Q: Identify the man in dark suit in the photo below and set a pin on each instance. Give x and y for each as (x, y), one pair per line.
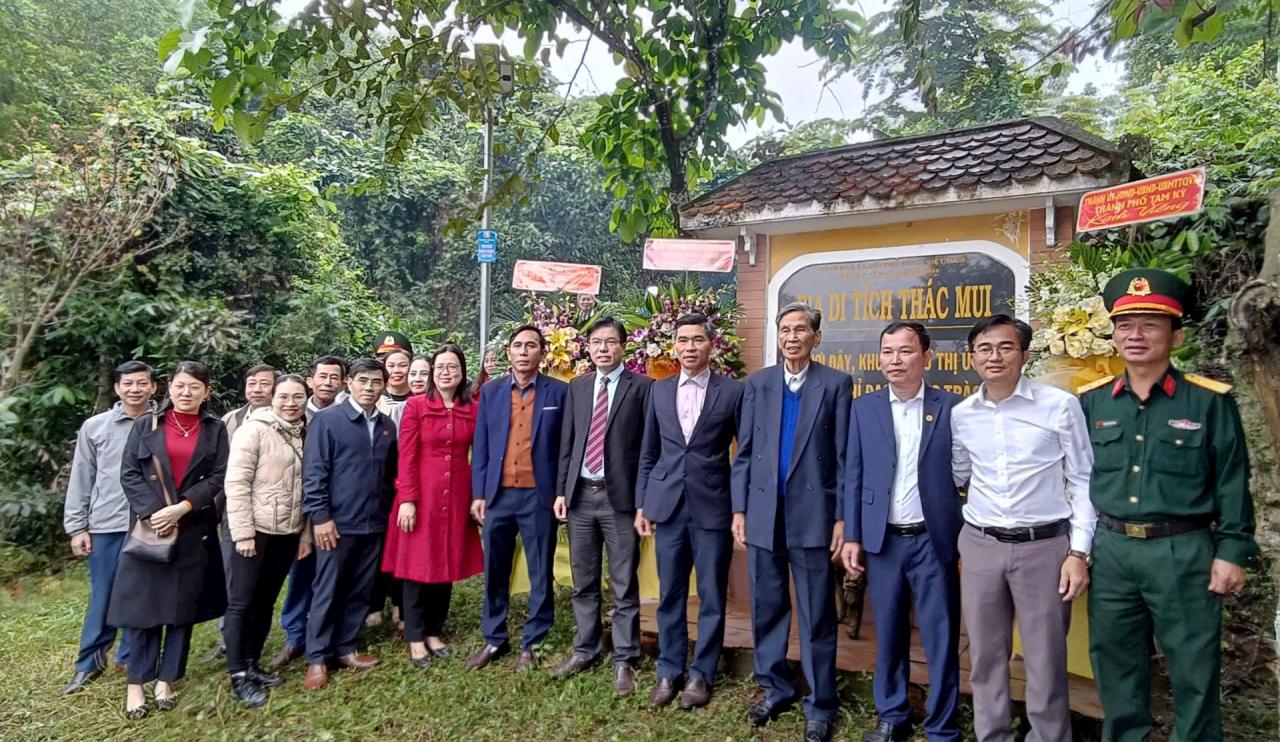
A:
(595, 494)
(684, 489)
(787, 509)
(902, 511)
(348, 483)
(513, 464)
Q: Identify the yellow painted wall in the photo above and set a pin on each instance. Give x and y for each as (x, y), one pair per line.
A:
(1011, 230)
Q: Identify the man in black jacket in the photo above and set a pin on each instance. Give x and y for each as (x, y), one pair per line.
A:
(348, 483)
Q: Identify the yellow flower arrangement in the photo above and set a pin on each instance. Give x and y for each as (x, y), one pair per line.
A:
(1073, 344)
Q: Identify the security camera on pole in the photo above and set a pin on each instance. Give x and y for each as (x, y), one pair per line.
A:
(488, 56)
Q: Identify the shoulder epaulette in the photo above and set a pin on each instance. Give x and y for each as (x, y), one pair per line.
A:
(1213, 385)
(1094, 385)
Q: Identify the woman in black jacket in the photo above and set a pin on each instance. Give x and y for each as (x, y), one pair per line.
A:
(176, 455)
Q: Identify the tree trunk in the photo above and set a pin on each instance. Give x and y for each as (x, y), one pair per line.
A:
(1254, 340)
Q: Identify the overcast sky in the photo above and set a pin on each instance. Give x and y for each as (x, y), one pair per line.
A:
(793, 73)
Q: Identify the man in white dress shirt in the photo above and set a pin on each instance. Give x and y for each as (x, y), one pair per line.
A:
(1024, 450)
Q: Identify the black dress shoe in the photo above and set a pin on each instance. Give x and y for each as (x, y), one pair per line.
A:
(487, 654)
(80, 680)
(422, 662)
(886, 732)
(136, 714)
(762, 712)
(663, 693)
(817, 731)
(264, 678)
(572, 666)
(439, 652)
(246, 691)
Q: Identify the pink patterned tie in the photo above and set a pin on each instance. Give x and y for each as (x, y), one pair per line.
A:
(595, 433)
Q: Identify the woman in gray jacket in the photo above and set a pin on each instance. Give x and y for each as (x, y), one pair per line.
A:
(264, 513)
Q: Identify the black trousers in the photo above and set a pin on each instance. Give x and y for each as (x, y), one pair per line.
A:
(425, 607)
(340, 595)
(158, 653)
(255, 585)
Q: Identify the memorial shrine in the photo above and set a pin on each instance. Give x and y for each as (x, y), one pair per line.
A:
(943, 228)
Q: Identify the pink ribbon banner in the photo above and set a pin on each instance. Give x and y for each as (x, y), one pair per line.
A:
(712, 256)
(570, 278)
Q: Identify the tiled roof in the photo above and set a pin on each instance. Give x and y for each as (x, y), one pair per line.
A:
(885, 173)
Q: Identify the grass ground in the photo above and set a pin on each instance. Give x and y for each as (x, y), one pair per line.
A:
(39, 626)
(40, 623)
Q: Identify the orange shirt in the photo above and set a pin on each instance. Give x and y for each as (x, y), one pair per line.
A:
(517, 464)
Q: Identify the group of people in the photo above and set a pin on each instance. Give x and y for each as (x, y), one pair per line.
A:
(996, 510)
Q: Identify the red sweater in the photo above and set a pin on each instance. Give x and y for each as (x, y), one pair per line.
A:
(180, 446)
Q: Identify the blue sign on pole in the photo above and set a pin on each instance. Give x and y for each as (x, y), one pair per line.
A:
(486, 246)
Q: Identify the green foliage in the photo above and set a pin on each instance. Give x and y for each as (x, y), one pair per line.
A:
(61, 61)
(967, 62)
(1223, 114)
(694, 69)
(1245, 23)
(260, 274)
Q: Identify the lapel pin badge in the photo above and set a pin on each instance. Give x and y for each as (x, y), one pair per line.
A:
(928, 418)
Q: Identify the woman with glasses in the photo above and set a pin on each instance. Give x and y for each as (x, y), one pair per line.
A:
(264, 514)
(431, 540)
(173, 469)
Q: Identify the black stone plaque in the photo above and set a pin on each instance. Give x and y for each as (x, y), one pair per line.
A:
(945, 293)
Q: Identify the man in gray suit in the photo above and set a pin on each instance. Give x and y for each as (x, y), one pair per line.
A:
(788, 511)
(595, 492)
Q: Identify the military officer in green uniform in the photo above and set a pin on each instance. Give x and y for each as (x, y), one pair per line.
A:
(1175, 519)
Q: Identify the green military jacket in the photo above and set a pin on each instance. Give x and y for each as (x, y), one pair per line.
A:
(1180, 454)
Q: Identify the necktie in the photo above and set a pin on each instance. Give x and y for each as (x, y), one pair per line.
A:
(595, 432)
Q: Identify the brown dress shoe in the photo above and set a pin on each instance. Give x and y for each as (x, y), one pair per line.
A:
(317, 677)
(287, 655)
(663, 693)
(526, 660)
(572, 666)
(355, 661)
(487, 654)
(696, 694)
(624, 679)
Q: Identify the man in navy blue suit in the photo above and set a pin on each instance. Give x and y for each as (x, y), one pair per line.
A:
(348, 483)
(684, 489)
(788, 510)
(513, 463)
(902, 514)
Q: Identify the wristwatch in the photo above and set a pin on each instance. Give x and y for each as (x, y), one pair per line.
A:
(1082, 556)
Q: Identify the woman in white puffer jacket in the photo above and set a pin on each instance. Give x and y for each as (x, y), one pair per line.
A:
(264, 513)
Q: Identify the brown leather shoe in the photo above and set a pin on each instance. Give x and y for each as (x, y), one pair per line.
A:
(663, 693)
(624, 679)
(572, 666)
(355, 661)
(696, 694)
(487, 654)
(287, 655)
(526, 660)
(317, 677)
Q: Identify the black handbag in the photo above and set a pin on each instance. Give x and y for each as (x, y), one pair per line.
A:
(143, 541)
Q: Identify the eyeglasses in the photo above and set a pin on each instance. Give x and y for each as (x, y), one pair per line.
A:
(603, 343)
(1003, 350)
(449, 367)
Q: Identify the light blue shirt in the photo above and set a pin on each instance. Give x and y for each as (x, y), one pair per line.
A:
(611, 390)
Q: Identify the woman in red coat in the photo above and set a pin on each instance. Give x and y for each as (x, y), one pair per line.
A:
(431, 540)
